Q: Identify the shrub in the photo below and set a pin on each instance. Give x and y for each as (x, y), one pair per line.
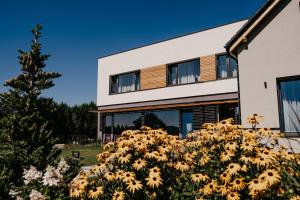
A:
(52, 183)
(220, 161)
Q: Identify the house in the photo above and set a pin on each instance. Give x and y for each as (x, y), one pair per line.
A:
(268, 51)
(176, 84)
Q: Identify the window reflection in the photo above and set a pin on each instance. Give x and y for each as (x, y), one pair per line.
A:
(125, 121)
(168, 120)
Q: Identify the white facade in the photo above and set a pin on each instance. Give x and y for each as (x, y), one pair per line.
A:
(273, 53)
(182, 48)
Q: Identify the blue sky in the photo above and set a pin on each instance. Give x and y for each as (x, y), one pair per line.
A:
(77, 32)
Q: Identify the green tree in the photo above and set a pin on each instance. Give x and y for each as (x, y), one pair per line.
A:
(25, 132)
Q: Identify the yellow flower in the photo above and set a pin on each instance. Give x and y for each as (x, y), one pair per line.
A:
(204, 160)
(233, 168)
(246, 158)
(226, 156)
(260, 161)
(295, 198)
(256, 186)
(110, 176)
(238, 184)
(139, 164)
(154, 170)
(154, 181)
(75, 192)
(118, 195)
(161, 157)
(119, 174)
(231, 146)
(233, 196)
(209, 188)
(181, 166)
(224, 190)
(265, 131)
(134, 185)
(247, 146)
(128, 176)
(151, 155)
(95, 192)
(199, 177)
(125, 158)
(254, 119)
(164, 149)
(225, 177)
(140, 146)
(271, 176)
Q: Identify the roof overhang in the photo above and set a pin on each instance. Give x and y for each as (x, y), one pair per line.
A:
(241, 36)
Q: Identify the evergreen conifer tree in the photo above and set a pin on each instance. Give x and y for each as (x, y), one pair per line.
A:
(25, 131)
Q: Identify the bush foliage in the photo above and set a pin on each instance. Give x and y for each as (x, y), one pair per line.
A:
(220, 161)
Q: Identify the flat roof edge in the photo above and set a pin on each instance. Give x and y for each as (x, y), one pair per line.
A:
(172, 38)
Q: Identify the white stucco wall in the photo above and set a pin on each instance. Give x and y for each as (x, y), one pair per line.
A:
(183, 48)
(274, 53)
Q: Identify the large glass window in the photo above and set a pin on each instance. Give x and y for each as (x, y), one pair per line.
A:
(166, 119)
(125, 82)
(226, 67)
(125, 121)
(184, 72)
(290, 105)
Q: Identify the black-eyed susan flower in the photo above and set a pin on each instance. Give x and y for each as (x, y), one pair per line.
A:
(125, 158)
(75, 192)
(182, 166)
(110, 176)
(118, 195)
(154, 181)
(204, 160)
(233, 196)
(255, 186)
(271, 176)
(233, 168)
(134, 185)
(139, 164)
(154, 170)
(151, 155)
(209, 188)
(161, 157)
(96, 192)
(248, 146)
(225, 177)
(238, 184)
(128, 176)
(226, 156)
(199, 177)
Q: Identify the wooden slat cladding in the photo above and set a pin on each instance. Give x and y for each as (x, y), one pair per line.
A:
(153, 77)
(208, 68)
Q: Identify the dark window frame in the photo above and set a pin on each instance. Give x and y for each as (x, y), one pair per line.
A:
(280, 106)
(137, 83)
(172, 65)
(228, 67)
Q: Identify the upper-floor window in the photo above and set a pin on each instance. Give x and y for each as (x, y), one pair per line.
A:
(226, 67)
(125, 82)
(184, 72)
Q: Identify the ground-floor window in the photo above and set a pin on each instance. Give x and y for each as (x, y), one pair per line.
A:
(177, 121)
(289, 101)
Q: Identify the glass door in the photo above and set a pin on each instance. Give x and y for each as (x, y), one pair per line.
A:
(186, 123)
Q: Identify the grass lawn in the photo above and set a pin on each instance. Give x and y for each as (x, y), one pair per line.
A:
(87, 153)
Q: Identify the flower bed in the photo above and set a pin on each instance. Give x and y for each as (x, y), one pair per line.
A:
(220, 161)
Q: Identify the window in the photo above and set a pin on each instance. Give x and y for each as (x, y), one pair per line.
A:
(226, 67)
(126, 121)
(165, 119)
(184, 72)
(289, 95)
(125, 82)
